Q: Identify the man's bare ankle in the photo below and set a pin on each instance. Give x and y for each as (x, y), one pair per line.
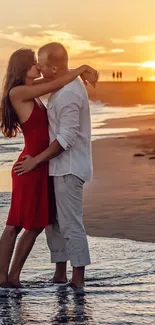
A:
(60, 275)
(78, 276)
(78, 284)
(58, 279)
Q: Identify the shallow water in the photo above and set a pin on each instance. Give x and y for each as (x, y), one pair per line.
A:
(120, 283)
(10, 148)
(120, 286)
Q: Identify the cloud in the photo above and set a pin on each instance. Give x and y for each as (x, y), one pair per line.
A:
(34, 26)
(74, 43)
(17, 38)
(142, 39)
(134, 39)
(126, 64)
(81, 50)
(10, 27)
(53, 26)
(145, 64)
(117, 51)
(148, 64)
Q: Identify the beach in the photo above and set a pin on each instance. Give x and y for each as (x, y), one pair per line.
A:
(120, 201)
(115, 41)
(119, 207)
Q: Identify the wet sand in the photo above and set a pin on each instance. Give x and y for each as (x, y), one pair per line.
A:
(120, 202)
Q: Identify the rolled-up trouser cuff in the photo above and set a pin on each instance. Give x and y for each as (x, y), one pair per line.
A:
(57, 257)
(76, 261)
(79, 261)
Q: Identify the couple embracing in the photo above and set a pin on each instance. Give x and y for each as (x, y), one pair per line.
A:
(48, 177)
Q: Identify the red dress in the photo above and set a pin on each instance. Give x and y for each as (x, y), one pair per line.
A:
(29, 203)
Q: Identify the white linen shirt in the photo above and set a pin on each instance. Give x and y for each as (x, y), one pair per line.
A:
(69, 122)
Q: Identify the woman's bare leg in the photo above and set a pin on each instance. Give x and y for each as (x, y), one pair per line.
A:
(7, 244)
(23, 249)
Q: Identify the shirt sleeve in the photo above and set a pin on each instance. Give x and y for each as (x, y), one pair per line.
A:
(68, 107)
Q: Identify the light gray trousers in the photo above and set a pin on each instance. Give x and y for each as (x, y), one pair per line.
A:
(67, 238)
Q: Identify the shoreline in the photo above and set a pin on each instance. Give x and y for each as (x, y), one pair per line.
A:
(120, 202)
(139, 121)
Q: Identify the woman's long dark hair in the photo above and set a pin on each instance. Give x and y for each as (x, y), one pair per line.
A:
(20, 62)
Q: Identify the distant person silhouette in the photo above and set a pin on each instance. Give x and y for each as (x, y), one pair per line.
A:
(118, 75)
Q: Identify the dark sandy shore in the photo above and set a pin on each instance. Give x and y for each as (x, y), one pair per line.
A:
(120, 202)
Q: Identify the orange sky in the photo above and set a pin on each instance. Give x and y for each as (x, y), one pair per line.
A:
(110, 35)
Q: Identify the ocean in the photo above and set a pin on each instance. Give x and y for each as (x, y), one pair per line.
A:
(120, 282)
(120, 286)
(10, 148)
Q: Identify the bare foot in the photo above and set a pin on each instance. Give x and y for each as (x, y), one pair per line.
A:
(4, 285)
(3, 281)
(14, 283)
(78, 277)
(59, 280)
(74, 285)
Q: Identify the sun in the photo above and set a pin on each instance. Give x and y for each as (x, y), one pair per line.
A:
(148, 64)
(152, 78)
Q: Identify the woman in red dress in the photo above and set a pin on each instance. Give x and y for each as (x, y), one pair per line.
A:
(21, 110)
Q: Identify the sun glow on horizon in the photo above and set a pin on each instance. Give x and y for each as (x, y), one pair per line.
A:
(148, 64)
(152, 78)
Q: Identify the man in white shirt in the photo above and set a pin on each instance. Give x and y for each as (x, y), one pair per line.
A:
(69, 123)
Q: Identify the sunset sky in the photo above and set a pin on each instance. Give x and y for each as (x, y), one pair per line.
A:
(108, 34)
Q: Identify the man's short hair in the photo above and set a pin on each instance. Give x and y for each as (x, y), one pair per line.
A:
(56, 53)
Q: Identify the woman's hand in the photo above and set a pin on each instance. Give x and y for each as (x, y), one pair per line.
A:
(90, 75)
(89, 78)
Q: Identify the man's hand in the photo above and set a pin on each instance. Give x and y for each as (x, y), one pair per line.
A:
(25, 166)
